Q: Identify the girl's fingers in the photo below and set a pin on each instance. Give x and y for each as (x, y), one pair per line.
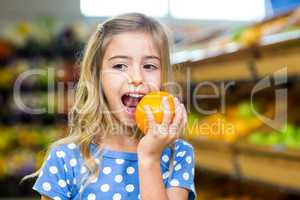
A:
(175, 126)
(167, 112)
(150, 117)
(184, 120)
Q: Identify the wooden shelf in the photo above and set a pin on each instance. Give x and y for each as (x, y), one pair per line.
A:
(269, 165)
(272, 55)
(275, 167)
(214, 156)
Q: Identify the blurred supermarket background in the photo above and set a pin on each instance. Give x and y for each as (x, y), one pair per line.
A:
(246, 132)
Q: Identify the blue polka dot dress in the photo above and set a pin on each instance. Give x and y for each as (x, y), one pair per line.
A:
(63, 171)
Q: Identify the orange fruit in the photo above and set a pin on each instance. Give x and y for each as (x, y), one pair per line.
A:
(154, 101)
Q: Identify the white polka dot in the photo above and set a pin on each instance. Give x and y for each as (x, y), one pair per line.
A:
(177, 167)
(46, 186)
(106, 170)
(62, 183)
(53, 169)
(118, 178)
(188, 159)
(139, 196)
(65, 167)
(83, 170)
(165, 158)
(176, 147)
(97, 161)
(117, 196)
(73, 162)
(69, 194)
(180, 154)
(174, 182)
(130, 170)
(91, 196)
(119, 161)
(185, 176)
(60, 154)
(56, 198)
(129, 188)
(49, 156)
(72, 146)
(174, 163)
(165, 175)
(104, 187)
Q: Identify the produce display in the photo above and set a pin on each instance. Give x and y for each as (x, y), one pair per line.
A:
(235, 123)
(246, 36)
(48, 48)
(288, 136)
(23, 147)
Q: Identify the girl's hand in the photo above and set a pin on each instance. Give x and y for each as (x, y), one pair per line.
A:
(159, 136)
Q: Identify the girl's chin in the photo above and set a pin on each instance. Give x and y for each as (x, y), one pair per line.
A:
(128, 120)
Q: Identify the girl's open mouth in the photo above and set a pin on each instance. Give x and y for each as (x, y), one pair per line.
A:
(130, 101)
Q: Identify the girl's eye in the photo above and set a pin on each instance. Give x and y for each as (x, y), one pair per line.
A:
(150, 66)
(120, 67)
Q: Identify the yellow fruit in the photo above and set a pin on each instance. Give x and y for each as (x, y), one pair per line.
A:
(154, 101)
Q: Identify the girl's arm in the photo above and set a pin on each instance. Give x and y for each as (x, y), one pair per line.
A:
(149, 151)
(151, 183)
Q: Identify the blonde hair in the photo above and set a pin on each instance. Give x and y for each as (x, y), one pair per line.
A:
(90, 109)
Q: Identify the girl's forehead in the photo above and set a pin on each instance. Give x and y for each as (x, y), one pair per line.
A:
(132, 43)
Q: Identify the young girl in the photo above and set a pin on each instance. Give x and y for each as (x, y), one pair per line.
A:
(103, 157)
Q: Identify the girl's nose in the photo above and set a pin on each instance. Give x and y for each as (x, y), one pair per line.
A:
(136, 77)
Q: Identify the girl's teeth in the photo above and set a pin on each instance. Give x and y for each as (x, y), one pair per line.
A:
(136, 95)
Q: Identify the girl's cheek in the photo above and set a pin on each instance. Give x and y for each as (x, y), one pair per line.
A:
(154, 83)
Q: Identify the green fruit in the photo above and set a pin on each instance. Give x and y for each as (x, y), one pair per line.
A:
(245, 110)
(288, 128)
(257, 138)
(273, 139)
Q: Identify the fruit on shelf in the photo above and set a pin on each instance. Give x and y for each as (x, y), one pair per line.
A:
(237, 122)
(288, 136)
(22, 147)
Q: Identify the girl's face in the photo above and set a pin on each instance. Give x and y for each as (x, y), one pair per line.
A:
(131, 68)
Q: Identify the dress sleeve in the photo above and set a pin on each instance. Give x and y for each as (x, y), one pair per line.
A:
(53, 180)
(183, 168)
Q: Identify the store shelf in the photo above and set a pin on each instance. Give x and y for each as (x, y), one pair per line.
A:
(238, 64)
(267, 165)
(214, 156)
(270, 165)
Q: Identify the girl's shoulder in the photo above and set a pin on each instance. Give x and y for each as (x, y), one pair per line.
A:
(66, 151)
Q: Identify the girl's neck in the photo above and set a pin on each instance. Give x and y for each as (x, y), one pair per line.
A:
(119, 141)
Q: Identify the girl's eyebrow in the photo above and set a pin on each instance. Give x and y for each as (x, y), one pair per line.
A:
(152, 57)
(129, 58)
(115, 57)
